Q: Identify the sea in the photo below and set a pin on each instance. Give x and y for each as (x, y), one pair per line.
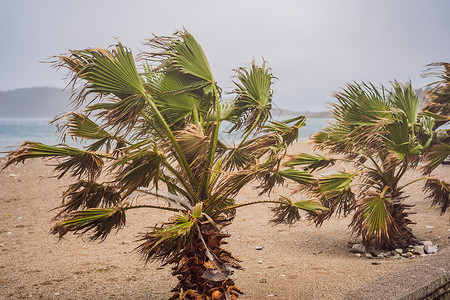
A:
(13, 132)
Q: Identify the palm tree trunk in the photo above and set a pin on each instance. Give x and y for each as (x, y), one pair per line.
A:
(204, 269)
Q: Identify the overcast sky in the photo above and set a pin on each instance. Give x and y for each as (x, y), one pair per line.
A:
(313, 47)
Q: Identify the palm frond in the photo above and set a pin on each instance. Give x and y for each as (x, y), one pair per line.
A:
(194, 144)
(301, 177)
(439, 192)
(79, 162)
(254, 96)
(374, 219)
(310, 162)
(99, 220)
(167, 241)
(140, 167)
(435, 156)
(404, 98)
(288, 212)
(86, 195)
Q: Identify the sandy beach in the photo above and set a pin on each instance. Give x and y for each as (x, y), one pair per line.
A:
(296, 262)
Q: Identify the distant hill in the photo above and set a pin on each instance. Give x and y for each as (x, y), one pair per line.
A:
(47, 102)
(36, 102)
(290, 113)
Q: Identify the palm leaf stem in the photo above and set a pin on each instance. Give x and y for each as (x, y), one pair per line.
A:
(212, 149)
(153, 206)
(172, 198)
(246, 204)
(209, 163)
(414, 181)
(180, 157)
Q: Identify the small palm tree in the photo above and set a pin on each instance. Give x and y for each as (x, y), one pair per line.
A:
(154, 130)
(384, 134)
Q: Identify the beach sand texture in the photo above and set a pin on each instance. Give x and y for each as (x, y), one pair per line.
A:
(296, 262)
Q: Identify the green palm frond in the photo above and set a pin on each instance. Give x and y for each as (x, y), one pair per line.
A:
(79, 162)
(254, 95)
(374, 219)
(182, 53)
(439, 192)
(167, 241)
(310, 162)
(99, 220)
(288, 212)
(106, 72)
(300, 177)
(334, 184)
(404, 98)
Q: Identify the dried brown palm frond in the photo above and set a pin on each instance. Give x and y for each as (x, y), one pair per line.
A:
(439, 192)
(195, 146)
(86, 195)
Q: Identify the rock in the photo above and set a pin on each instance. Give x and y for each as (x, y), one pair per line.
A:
(368, 255)
(263, 280)
(397, 256)
(358, 248)
(407, 254)
(259, 247)
(430, 243)
(430, 249)
(418, 250)
(259, 261)
(423, 255)
(380, 256)
(399, 251)
(358, 254)
(386, 254)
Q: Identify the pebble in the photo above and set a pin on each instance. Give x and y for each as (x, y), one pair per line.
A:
(429, 227)
(282, 275)
(430, 249)
(399, 251)
(263, 280)
(386, 254)
(57, 294)
(9, 232)
(13, 175)
(418, 249)
(358, 254)
(259, 261)
(368, 255)
(259, 247)
(380, 256)
(358, 248)
(376, 263)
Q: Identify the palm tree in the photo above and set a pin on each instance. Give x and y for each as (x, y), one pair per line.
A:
(384, 134)
(153, 130)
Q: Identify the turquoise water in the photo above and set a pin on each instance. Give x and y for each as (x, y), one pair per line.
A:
(14, 131)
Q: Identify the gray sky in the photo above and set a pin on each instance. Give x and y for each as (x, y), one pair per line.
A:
(313, 47)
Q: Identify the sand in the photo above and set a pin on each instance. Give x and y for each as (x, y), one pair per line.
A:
(296, 262)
